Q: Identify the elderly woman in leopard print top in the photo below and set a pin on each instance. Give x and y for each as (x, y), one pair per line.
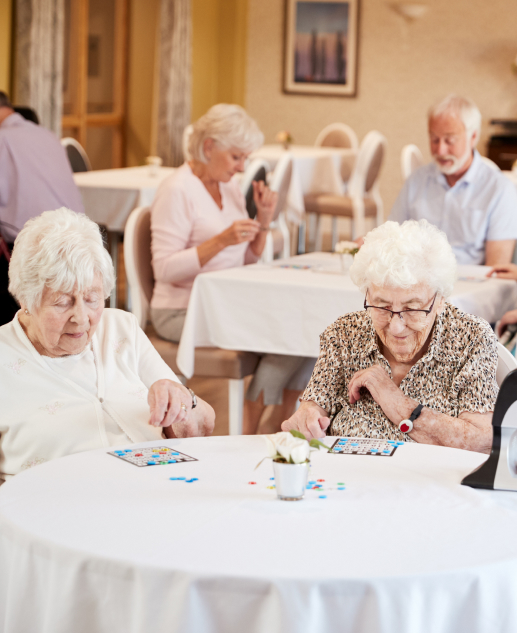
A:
(410, 366)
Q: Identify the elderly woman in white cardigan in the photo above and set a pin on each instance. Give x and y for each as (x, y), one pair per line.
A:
(410, 366)
(76, 376)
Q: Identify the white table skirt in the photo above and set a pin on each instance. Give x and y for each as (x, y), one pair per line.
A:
(91, 544)
(109, 195)
(315, 169)
(269, 309)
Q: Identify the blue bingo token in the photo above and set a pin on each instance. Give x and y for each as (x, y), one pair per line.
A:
(322, 497)
(341, 488)
(151, 463)
(400, 443)
(355, 443)
(271, 479)
(386, 452)
(312, 482)
(128, 450)
(176, 478)
(171, 461)
(374, 450)
(189, 481)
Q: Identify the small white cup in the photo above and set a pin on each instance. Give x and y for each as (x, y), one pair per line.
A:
(290, 480)
(154, 162)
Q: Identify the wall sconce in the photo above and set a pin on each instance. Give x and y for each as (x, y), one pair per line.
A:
(410, 11)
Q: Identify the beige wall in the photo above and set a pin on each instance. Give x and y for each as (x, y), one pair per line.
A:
(465, 46)
(218, 53)
(5, 44)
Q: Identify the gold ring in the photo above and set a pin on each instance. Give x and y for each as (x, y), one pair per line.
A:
(183, 406)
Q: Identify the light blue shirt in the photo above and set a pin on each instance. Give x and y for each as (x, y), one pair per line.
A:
(481, 206)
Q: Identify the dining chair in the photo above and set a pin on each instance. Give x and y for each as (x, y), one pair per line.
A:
(184, 142)
(490, 163)
(278, 240)
(410, 160)
(362, 199)
(77, 157)
(210, 362)
(257, 170)
(337, 135)
(506, 362)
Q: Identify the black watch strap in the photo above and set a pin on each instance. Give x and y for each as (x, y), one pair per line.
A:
(416, 413)
(194, 398)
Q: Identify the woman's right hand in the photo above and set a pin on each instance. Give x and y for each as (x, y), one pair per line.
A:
(310, 419)
(240, 231)
(508, 318)
(506, 271)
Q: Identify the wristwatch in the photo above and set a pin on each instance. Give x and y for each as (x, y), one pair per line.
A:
(194, 398)
(406, 426)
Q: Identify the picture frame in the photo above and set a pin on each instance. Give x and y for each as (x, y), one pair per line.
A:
(321, 38)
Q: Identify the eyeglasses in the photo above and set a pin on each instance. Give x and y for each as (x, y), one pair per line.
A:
(408, 316)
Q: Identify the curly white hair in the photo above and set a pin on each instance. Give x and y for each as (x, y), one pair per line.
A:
(60, 249)
(404, 255)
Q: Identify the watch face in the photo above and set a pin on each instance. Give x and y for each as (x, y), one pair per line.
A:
(404, 427)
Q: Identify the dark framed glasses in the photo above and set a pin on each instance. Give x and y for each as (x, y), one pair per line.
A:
(407, 316)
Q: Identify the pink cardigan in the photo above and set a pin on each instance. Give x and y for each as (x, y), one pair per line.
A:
(184, 215)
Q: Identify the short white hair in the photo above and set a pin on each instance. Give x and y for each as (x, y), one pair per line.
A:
(463, 108)
(229, 126)
(59, 249)
(403, 255)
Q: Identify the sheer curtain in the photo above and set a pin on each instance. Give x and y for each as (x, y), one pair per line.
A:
(174, 79)
(39, 59)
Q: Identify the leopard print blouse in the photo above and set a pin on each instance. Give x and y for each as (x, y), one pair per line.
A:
(458, 372)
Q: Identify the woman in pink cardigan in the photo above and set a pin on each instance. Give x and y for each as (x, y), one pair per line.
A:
(199, 223)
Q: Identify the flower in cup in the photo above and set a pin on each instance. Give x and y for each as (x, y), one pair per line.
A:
(346, 248)
(290, 447)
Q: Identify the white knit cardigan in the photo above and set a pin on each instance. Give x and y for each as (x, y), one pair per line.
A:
(44, 415)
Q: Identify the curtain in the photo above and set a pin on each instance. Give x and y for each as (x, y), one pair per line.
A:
(39, 59)
(174, 79)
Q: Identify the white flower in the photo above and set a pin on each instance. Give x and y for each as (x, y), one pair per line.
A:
(292, 449)
(346, 247)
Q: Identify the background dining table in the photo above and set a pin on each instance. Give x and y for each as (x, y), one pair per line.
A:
(90, 544)
(282, 308)
(109, 196)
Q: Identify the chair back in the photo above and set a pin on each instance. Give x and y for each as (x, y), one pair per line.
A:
(337, 135)
(281, 181)
(410, 160)
(368, 164)
(184, 142)
(77, 157)
(256, 170)
(490, 163)
(27, 113)
(137, 259)
(505, 364)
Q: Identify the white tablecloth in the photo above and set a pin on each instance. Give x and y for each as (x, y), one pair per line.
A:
(276, 310)
(315, 169)
(109, 195)
(90, 544)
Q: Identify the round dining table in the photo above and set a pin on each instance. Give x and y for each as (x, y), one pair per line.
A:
(90, 543)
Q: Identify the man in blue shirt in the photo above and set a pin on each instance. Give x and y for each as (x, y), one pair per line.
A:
(473, 203)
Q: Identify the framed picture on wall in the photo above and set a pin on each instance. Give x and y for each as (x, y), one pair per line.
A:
(321, 47)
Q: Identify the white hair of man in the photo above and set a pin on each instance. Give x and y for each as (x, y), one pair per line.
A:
(229, 126)
(404, 255)
(59, 249)
(463, 108)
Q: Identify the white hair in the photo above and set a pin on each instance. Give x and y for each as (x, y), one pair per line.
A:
(463, 108)
(229, 126)
(60, 249)
(404, 255)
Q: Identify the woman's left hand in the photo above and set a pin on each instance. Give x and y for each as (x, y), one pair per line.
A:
(171, 407)
(395, 404)
(265, 201)
(170, 403)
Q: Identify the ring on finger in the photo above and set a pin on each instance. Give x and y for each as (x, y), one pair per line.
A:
(244, 233)
(183, 406)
